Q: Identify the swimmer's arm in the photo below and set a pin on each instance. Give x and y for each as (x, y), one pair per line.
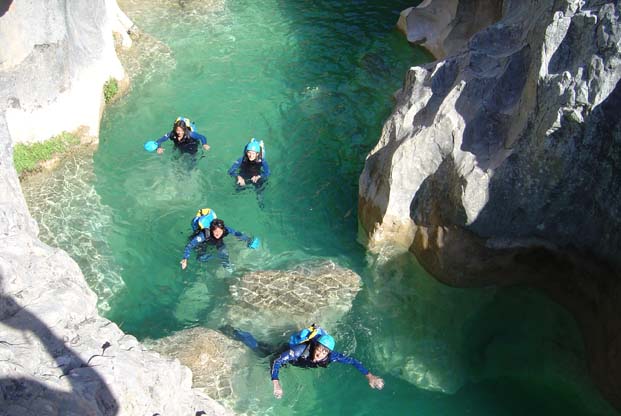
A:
(241, 236)
(374, 381)
(265, 172)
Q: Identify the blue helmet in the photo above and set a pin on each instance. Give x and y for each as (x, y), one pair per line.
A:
(205, 221)
(327, 341)
(253, 146)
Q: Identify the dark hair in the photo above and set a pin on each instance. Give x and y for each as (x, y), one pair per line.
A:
(217, 223)
(186, 130)
(311, 353)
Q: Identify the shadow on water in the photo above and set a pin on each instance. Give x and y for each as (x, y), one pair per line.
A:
(89, 394)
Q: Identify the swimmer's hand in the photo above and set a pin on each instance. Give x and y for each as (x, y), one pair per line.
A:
(255, 178)
(206, 147)
(160, 150)
(184, 263)
(277, 389)
(375, 382)
(241, 181)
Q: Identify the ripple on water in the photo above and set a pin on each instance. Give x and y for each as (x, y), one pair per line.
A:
(72, 217)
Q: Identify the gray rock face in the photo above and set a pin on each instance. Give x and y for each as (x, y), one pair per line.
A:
(284, 300)
(501, 163)
(444, 26)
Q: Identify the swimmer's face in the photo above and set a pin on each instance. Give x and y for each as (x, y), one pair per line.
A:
(217, 232)
(179, 132)
(251, 155)
(320, 353)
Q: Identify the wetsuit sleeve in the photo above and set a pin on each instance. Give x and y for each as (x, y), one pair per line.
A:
(241, 236)
(341, 358)
(191, 245)
(266, 169)
(288, 356)
(197, 136)
(162, 139)
(235, 168)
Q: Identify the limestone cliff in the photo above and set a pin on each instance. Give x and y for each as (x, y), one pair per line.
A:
(501, 162)
(57, 355)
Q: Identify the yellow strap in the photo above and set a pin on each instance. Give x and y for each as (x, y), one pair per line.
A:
(313, 332)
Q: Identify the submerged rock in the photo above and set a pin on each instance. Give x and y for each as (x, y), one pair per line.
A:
(212, 357)
(288, 299)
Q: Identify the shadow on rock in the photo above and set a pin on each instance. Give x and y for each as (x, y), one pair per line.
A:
(22, 395)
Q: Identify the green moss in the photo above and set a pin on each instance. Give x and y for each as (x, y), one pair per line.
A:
(26, 157)
(110, 89)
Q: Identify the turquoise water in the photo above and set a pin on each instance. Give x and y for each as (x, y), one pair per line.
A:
(314, 80)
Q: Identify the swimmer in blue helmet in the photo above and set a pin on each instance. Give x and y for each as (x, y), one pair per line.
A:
(251, 168)
(184, 138)
(310, 348)
(211, 234)
(317, 352)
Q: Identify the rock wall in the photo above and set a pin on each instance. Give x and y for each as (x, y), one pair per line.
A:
(57, 355)
(501, 164)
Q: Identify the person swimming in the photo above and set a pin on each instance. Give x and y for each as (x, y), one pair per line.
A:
(251, 168)
(184, 138)
(210, 232)
(311, 347)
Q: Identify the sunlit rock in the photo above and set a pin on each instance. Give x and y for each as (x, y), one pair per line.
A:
(54, 63)
(445, 26)
(289, 299)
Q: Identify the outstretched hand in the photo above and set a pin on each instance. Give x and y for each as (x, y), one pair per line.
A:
(277, 389)
(206, 147)
(184, 263)
(375, 382)
(160, 150)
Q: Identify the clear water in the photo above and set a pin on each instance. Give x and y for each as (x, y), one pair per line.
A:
(314, 80)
